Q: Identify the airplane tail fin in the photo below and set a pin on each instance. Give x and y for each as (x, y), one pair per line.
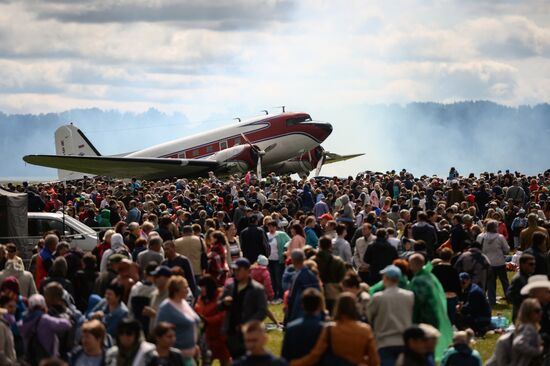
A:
(70, 141)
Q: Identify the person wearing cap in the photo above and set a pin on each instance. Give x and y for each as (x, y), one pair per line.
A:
(474, 310)
(415, 354)
(43, 328)
(243, 300)
(160, 276)
(390, 314)
(260, 274)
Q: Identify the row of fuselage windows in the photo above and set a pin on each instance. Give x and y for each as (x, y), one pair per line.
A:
(217, 146)
(208, 149)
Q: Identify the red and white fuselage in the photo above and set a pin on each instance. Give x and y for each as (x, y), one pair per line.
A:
(284, 136)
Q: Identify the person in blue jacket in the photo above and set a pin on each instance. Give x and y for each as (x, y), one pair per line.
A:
(474, 310)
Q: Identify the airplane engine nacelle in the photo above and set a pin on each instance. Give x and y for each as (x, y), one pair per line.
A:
(302, 164)
(294, 166)
(237, 159)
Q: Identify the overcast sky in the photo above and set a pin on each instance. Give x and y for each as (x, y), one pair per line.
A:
(223, 58)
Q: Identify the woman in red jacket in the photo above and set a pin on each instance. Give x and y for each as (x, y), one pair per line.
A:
(206, 307)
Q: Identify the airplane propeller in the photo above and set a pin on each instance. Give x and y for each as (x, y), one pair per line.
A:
(320, 162)
(260, 153)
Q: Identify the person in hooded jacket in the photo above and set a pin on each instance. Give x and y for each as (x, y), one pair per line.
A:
(27, 287)
(117, 246)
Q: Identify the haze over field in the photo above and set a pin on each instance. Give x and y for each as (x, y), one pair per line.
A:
(118, 66)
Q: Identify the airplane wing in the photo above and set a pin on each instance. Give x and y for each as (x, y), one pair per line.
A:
(335, 158)
(124, 167)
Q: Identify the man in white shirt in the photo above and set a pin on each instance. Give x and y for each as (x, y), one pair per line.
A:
(340, 246)
(360, 248)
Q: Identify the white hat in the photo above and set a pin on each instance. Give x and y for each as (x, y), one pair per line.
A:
(37, 301)
(535, 281)
(262, 260)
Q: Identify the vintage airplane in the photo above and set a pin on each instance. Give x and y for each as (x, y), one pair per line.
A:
(284, 144)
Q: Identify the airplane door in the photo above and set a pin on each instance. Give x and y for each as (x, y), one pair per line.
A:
(223, 144)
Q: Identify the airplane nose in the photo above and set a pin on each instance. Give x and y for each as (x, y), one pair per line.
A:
(326, 127)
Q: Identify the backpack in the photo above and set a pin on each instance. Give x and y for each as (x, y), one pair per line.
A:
(35, 350)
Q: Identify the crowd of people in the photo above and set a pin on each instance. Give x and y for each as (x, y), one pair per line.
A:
(380, 269)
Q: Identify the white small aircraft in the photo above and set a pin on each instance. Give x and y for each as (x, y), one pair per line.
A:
(285, 143)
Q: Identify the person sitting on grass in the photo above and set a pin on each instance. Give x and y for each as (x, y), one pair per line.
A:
(461, 353)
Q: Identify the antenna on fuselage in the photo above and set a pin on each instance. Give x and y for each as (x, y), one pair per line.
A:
(237, 118)
(265, 111)
(282, 107)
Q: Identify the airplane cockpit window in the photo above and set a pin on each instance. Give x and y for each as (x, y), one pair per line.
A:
(297, 120)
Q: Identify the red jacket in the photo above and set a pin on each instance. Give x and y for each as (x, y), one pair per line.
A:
(261, 274)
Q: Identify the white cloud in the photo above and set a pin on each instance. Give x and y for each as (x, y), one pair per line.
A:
(211, 57)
